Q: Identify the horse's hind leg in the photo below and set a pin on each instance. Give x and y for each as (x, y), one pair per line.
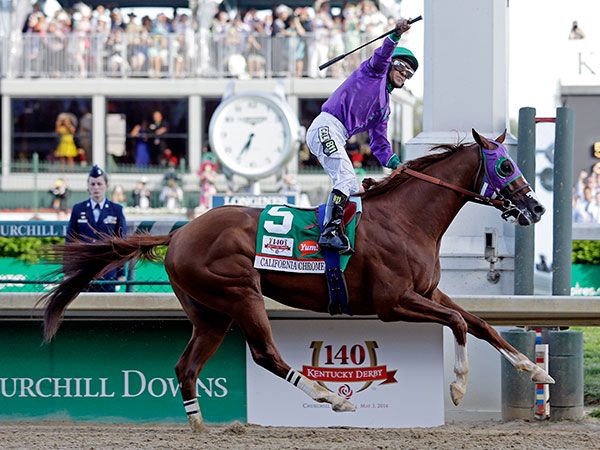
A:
(482, 330)
(210, 327)
(254, 322)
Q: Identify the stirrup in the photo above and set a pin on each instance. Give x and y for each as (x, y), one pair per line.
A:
(328, 241)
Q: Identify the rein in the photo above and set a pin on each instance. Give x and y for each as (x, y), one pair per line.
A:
(501, 204)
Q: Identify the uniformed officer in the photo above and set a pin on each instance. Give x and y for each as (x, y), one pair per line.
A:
(95, 217)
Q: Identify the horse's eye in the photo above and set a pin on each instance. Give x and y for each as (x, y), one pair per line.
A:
(505, 168)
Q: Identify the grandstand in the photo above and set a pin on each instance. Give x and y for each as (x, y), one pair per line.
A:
(130, 78)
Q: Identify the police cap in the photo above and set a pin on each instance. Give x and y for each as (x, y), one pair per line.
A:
(96, 172)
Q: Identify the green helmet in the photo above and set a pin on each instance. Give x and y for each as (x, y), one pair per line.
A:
(404, 53)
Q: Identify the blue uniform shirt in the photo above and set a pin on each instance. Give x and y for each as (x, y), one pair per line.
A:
(83, 226)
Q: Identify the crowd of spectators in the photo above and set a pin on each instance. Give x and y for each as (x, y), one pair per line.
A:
(169, 195)
(586, 198)
(242, 43)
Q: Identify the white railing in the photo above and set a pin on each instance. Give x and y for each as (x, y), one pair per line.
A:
(497, 310)
(201, 55)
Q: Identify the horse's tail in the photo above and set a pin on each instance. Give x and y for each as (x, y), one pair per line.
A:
(83, 262)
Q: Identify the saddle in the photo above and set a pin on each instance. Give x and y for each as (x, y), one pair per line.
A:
(287, 241)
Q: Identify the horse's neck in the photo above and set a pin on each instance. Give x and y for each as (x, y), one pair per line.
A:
(434, 207)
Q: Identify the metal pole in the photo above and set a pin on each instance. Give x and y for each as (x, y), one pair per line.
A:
(36, 195)
(525, 236)
(563, 185)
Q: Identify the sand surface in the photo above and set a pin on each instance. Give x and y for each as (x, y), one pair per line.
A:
(474, 435)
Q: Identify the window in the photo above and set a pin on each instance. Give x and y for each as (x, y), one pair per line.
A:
(59, 130)
(146, 135)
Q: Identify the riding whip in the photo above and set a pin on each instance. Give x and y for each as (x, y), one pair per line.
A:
(342, 56)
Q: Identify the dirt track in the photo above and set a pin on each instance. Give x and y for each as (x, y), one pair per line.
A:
(477, 435)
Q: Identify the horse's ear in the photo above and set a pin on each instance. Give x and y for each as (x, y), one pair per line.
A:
(482, 141)
(500, 139)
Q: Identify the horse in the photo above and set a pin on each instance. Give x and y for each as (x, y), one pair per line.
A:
(394, 273)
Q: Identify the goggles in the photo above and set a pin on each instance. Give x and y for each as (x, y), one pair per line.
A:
(403, 68)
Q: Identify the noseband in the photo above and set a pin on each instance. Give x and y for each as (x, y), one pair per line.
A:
(497, 200)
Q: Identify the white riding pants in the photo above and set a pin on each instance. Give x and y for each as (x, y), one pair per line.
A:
(326, 139)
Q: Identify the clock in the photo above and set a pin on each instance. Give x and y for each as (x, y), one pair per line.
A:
(254, 133)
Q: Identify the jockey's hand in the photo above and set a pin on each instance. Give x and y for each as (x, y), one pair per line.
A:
(402, 26)
(393, 163)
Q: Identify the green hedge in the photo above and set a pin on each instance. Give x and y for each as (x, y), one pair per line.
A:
(31, 249)
(586, 252)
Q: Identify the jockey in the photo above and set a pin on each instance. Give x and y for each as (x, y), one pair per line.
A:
(361, 103)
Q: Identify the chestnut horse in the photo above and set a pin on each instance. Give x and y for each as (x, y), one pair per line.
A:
(394, 272)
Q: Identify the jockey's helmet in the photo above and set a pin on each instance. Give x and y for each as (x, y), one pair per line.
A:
(406, 54)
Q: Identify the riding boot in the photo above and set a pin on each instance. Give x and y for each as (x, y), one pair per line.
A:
(333, 236)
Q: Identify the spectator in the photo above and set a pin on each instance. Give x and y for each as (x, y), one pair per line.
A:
(351, 27)
(96, 217)
(84, 137)
(297, 29)
(208, 178)
(322, 26)
(289, 185)
(54, 40)
(157, 128)
(158, 52)
(171, 196)
(117, 63)
(235, 38)
(254, 57)
(594, 208)
(576, 213)
(220, 23)
(133, 27)
(141, 194)
(65, 126)
(543, 266)
(252, 21)
(142, 146)
(279, 40)
(118, 195)
(581, 182)
(576, 32)
(60, 192)
(138, 38)
(167, 159)
(584, 205)
(336, 46)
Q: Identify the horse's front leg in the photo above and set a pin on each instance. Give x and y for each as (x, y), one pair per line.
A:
(412, 307)
(482, 330)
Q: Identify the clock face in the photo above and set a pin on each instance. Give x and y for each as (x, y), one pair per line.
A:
(251, 135)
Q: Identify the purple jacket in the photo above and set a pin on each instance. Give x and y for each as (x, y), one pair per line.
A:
(362, 102)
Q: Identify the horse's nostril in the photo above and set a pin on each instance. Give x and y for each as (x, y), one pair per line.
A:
(539, 210)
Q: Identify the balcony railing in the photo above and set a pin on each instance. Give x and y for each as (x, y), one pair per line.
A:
(187, 55)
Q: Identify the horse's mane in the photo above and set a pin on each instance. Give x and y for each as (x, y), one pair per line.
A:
(374, 188)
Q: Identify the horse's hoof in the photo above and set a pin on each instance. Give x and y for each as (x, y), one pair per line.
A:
(456, 393)
(196, 424)
(542, 377)
(343, 406)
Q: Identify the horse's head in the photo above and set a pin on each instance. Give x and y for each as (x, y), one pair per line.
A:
(503, 179)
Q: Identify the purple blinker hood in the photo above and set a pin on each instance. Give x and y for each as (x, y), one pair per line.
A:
(500, 170)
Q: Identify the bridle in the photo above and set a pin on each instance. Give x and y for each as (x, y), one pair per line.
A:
(499, 201)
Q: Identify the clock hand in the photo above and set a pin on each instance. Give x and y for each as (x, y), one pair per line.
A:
(246, 147)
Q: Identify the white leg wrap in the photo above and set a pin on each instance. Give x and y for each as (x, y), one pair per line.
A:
(192, 407)
(301, 382)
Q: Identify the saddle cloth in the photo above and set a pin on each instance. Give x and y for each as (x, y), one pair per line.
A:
(287, 238)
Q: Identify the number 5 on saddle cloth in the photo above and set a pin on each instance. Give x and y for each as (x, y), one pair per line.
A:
(287, 241)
